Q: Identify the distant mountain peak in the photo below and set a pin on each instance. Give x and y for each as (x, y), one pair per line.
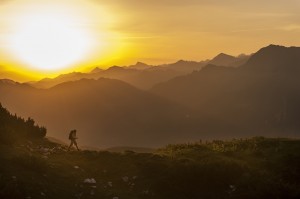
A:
(223, 59)
(96, 70)
(272, 47)
(181, 61)
(275, 46)
(140, 66)
(72, 74)
(8, 81)
(222, 56)
(275, 58)
(115, 68)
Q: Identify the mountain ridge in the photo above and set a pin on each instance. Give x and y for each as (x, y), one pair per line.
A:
(106, 112)
(140, 75)
(256, 93)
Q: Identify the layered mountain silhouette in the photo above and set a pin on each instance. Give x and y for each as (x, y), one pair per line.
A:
(140, 66)
(142, 75)
(105, 112)
(228, 60)
(260, 96)
(275, 58)
(141, 78)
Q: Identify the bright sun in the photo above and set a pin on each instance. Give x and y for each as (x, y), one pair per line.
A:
(49, 41)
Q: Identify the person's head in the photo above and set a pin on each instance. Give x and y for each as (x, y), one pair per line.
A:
(74, 131)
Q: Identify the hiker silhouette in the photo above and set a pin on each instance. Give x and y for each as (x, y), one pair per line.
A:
(73, 138)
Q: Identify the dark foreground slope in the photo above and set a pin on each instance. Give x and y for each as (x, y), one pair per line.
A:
(14, 128)
(251, 168)
(33, 167)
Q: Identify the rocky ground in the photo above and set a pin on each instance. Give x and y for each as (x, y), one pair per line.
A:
(251, 168)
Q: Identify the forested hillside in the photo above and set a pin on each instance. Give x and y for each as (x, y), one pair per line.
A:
(14, 128)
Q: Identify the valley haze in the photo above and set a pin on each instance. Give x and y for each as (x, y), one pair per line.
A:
(151, 106)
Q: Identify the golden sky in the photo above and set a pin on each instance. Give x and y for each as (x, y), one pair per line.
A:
(122, 32)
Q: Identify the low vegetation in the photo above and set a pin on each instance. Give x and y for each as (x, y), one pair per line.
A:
(246, 168)
(250, 168)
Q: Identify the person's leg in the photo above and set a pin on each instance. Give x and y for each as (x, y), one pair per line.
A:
(72, 142)
(75, 143)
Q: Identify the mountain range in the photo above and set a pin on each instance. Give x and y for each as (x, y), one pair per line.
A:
(142, 75)
(105, 112)
(259, 97)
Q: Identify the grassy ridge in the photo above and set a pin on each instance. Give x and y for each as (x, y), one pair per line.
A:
(249, 168)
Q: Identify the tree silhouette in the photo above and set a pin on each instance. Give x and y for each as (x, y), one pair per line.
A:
(13, 128)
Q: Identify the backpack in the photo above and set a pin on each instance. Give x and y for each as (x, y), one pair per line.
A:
(71, 135)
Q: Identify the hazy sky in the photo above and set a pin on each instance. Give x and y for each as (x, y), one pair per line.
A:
(160, 31)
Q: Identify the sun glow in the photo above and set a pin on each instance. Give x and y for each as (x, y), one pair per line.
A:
(46, 38)
(49, 41)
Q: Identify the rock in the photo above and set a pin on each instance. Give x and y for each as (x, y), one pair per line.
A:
(44, 150)
(232, 188)
(109, 184)
(90, 181)
(125, 179)
(76, 167)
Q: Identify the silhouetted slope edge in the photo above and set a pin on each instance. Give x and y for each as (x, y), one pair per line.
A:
(14, 128)
(275, 58)
(260, 96)
(106, 113)
(142, 75)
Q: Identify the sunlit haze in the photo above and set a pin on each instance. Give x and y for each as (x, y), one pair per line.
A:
(47, 41)
(46, 38)
(150, 99)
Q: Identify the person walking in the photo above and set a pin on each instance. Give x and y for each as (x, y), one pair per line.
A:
(73, 138)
